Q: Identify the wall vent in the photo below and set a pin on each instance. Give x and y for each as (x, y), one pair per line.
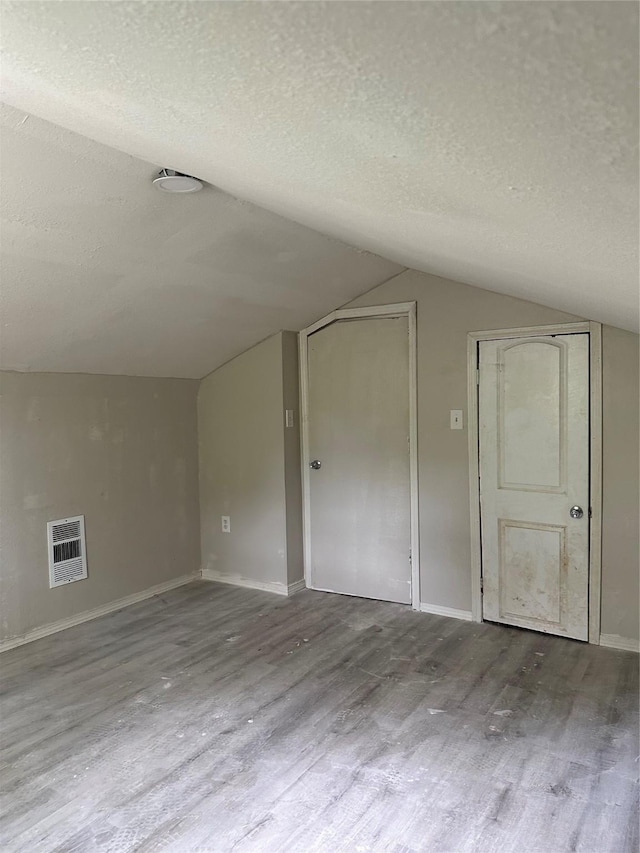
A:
(67, 551)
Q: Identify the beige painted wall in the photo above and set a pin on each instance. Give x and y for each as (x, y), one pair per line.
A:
(620, 462)
(120, 450)
(446, 312)
(247, 465)
(292, 473)
(123, 452)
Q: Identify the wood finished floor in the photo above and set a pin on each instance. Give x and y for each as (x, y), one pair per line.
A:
(214, 719)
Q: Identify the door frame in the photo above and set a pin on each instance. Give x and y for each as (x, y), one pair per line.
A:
(594, 330)
(397, 309)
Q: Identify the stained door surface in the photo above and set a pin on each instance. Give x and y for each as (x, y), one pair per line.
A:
(358, 412)
(534, 467)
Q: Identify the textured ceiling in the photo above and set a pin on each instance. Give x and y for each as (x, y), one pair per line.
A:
(101, 273)
(493, 143)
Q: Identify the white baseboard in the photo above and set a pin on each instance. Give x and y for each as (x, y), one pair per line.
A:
(249, 583)
(446, 611)
(296, 586)
(615, 641)
(87, 615)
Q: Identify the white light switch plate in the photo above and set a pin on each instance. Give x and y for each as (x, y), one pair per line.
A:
(456, 419)
(288, 418)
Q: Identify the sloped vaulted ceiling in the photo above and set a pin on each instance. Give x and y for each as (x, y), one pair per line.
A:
(493, 143)
(101, 273)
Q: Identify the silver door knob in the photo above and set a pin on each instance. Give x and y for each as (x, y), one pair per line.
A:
(576, 512)
(315, 464)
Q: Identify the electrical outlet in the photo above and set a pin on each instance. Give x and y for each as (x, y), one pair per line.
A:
(226, 523)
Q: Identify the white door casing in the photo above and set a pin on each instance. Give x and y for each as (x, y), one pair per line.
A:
(534, 467)
(358, 429)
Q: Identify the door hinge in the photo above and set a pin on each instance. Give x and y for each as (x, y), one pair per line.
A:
(590, 512)
(477, 375)
(410, 558)
(481, 585)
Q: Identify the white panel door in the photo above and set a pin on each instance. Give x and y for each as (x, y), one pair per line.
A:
(358, 413)
(534, 468)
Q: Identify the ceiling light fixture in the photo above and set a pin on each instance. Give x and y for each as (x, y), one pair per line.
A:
(170, 181)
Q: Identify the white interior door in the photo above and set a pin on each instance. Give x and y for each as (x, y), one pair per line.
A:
(358, 411)
(534, 468)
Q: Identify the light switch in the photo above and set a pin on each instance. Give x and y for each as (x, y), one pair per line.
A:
(288, 418)
(456, 419)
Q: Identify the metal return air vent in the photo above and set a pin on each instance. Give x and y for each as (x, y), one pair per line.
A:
(67, 551)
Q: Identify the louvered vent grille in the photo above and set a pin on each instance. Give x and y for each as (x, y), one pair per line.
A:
(64, 551)
(66, 530)
(67, 551)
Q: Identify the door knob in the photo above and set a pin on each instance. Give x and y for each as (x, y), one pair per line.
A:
(576, 512)
(315, 464)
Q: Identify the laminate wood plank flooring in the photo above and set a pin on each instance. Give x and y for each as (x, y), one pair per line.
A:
(214, 718)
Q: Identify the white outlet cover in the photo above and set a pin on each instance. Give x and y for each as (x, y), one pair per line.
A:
(457, 421)
(226, 523)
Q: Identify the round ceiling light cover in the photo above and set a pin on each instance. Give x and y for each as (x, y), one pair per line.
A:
(170, 181)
